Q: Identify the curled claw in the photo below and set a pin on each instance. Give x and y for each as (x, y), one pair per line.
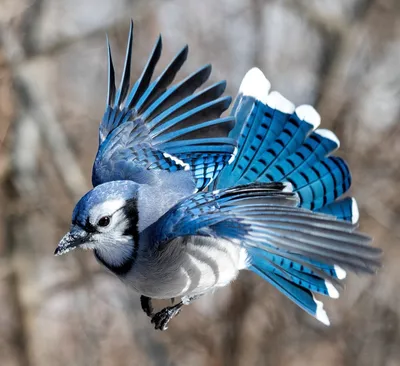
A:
(163, 317)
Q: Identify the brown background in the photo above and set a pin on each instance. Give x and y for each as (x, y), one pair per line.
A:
(341, 55)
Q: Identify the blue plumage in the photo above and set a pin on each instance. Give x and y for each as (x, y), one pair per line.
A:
(300, 295)
(280, 144)
(153, 220)
(344, 209)
(139, 123)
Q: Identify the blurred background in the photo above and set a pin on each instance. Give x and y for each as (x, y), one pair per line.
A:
(342, 56)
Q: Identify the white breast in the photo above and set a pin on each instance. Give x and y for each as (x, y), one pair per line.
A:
(189, 266)
(218, 261)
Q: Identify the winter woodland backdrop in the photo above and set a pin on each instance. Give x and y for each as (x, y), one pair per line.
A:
(341, 55)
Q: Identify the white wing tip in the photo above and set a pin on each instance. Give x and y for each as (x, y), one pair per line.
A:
(355, 214)
(177, 161)
(332, 291)
(308, 113)
(255, 84)
(320, 313)
(277, 101)
(328, 135)
(232, 158)
(340, 272)
(288, 187)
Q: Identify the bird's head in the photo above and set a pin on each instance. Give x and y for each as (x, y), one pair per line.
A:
(105, 219)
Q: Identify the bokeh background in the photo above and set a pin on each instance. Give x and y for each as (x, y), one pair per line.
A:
(343, 56)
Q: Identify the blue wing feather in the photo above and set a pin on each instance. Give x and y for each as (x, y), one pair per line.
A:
(126, 74)
(153, 115)
(212, 109)
(190, 104)
(159, 86)
(177, 92)
(296, 250)
(142, 84)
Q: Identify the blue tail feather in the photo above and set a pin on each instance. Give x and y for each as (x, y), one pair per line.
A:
(299, 295)
(288, 141)
(254, 137)
(299, 273)
(344, 209)
(321, 184)
(284, 145)
(275, 145)
(315, 148)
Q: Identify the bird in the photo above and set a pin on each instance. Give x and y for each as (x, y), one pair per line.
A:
(186, 196)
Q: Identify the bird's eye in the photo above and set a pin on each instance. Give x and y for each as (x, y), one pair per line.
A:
(104, 221)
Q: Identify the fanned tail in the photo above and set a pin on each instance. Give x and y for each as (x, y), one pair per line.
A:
(280, 143)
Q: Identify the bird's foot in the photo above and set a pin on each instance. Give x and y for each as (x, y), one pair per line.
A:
(147, 305)
(163, 317)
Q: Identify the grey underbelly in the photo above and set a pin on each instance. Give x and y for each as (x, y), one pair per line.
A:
(190, 266)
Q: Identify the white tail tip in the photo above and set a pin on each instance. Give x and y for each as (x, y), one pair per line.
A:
(309, 114)
(340, 272)
(328, 135)
(277, 101)
(332, 291)
(321, 314)
(288, 187)
(255, 84)
(355, 214)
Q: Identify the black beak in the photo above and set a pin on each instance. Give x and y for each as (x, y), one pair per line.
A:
(71, 240)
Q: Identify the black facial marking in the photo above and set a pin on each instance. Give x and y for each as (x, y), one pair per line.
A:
(131, 212)
(87, 226)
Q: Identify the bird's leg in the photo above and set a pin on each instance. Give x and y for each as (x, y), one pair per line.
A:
(164, 316)
(147, 305)
(186, 300)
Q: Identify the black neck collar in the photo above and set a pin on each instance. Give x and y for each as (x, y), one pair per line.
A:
(119, 269)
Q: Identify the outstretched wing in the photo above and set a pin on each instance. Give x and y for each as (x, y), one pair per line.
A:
(154, 126)
(267, 216)
(298, 251)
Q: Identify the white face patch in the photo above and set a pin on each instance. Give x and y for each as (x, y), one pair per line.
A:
(110, 241)
(107, 208)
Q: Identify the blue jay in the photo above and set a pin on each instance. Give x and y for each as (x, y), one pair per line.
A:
(185, 199)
